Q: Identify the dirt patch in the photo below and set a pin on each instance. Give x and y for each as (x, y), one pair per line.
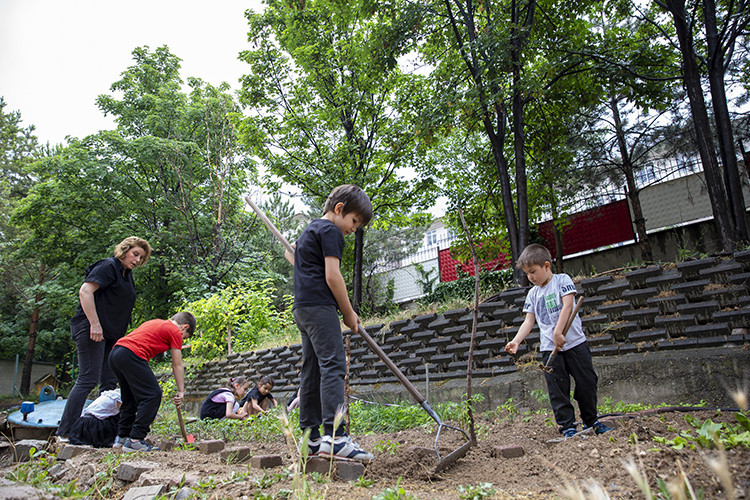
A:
(542, 471)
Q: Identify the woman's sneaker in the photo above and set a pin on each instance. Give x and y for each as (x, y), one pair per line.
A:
(141, 445)
(119, 442)
(343, 448)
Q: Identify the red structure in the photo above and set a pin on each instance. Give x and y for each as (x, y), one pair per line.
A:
(594, 228)
(449, 266)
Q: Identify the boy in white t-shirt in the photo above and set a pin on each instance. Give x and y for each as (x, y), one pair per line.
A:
(549, 303)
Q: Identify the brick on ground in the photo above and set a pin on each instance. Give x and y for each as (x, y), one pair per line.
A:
(317, 464)
(23, 448)
(130, 471)
(168, 477)
(211, 446)
(235, 455)
(16, 491)
(349, 471)
(71, 450)
(166, 444)
(265, 461)
(508, 451)
(144, 492)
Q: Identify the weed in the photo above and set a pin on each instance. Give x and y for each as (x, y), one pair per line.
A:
(478, 492)
(540, 395)
(387, 446)
(396, 493)
(363, 482)
(710, 434)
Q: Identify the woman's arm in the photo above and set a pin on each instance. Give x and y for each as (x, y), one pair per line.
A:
(86, 296)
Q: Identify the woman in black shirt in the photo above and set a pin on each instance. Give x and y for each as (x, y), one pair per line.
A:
(107, 297)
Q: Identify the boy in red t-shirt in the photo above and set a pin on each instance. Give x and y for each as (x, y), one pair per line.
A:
(141, 394)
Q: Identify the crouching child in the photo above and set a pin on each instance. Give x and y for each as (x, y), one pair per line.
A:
(140, 391)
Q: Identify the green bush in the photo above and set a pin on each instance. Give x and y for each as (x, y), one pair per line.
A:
(246, 310)
(490, 282)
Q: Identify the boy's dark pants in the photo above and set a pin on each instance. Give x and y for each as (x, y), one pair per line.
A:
(140, 391)
(576, 363)
(323, 368)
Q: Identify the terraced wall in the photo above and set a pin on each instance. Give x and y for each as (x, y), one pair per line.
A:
(679, 333)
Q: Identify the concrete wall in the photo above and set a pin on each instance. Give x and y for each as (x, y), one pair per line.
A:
(7, 367)
(673, 334)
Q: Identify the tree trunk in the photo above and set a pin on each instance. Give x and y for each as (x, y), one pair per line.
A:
(29, 359)
(723, 121)
(633, 193)
(359, 241)
(691, 79)
(517, 44)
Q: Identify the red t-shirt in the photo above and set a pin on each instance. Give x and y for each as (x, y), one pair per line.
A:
(152, 337)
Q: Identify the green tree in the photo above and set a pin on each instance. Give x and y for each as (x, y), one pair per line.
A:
(330, 106)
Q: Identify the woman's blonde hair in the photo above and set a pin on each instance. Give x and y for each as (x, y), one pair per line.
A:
(133, 241)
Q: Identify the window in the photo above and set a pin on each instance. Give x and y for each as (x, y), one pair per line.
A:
(431, 238)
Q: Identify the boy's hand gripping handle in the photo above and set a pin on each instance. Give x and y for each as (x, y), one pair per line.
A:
(569, 323)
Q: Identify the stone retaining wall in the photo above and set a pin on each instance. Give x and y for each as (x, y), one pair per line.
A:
(701, 305)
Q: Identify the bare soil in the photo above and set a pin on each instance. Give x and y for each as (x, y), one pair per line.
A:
(544, 470)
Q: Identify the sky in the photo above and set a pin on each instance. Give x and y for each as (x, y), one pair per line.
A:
(57, 56)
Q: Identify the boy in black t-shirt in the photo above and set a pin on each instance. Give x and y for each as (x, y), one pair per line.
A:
(319, 290)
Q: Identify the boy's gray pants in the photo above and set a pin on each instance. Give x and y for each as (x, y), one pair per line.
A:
(323, 368)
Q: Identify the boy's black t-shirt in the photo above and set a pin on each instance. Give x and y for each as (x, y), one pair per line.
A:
(114, 299)
(254, 393)
(320, 239)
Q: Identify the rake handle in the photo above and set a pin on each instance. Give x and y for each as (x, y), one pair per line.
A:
(368, 339)
(269, 225)
(182, 424)
(568, 324)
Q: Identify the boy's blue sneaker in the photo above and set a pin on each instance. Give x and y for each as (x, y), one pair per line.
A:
(141, 445)
(119, 442)
(569, 432)
(343, 448)
(313, 447)
(600, 428)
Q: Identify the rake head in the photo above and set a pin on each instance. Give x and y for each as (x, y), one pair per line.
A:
(446, 461)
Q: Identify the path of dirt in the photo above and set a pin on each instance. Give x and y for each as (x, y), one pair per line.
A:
(541, 473)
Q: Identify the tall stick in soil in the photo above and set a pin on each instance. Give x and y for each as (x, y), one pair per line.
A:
(475, 317)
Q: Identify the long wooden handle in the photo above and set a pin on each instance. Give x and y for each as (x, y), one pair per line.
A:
(568, 324)
(269, 225)
(182, 424)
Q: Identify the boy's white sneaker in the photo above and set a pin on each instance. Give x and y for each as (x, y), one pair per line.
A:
(343, 448)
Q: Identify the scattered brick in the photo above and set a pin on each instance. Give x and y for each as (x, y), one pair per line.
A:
(23, 448)
(144, 492)
(349, 471)
(265, 461)
(71, 450)
(508, 451)
(211, 446)
(235, 455)
(166, 444)
(130, 471)
(319, 465)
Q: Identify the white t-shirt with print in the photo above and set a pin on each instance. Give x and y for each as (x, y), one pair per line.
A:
(545, 303)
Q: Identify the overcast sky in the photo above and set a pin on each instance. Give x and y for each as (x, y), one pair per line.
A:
(57, 56)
